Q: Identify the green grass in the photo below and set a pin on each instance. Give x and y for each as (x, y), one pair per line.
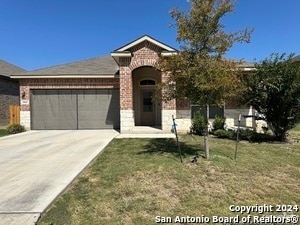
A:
(134, 180)
(297, 128)
(295, 132)
(3, 132)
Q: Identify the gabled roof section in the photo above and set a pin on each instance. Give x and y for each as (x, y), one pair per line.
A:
(126, 50)
(163, 46)
(6, 69)
(91, 68)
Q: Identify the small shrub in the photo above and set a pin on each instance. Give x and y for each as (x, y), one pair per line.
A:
(259, 137)
(245, 135)
(219, 123)
(252, 136)
(3, 132)
(15, 128)
(198, 124)
(220, 133)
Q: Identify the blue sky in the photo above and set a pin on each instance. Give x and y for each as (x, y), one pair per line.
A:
(40, 33)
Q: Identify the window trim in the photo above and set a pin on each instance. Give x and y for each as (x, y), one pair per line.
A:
(148, 80)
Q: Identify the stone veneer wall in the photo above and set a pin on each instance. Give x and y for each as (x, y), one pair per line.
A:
(232, 117)
(183, 116)
(59, 83)
(25, 119)
(183, 120)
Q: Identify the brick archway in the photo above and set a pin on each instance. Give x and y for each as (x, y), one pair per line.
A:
(146, 100)
(138, 63)
(141, 53)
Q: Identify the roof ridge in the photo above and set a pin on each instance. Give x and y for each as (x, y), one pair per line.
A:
(69, 63)
(9, 66)
(161, 44)
(103, 65)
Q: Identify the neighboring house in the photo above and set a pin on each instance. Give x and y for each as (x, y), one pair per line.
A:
(9, 90)
(113, 91)
(296, 58)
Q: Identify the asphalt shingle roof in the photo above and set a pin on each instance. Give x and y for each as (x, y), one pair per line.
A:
(246, 65)
(96, 66)
(296, 58)
(6, 69)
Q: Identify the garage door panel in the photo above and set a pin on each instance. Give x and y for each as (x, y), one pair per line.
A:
(66, 110)
(114, 105)
(93, 110)
(53, 109)
(75, 109)
(115, 95)
(39, 109)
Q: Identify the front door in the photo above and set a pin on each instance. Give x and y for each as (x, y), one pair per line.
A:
(148, 108)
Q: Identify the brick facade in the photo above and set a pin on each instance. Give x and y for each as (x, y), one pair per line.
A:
(64, 83)
(142, 54)
(126, 102)
(131, 60)
(9, 95)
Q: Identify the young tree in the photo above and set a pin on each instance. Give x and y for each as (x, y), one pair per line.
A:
(199, 72)
(274, 91)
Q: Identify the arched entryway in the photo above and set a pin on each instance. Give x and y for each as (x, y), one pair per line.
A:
(147, 105)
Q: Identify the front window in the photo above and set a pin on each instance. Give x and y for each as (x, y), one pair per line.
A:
(213, 111)
(147, 82)
(147, 101)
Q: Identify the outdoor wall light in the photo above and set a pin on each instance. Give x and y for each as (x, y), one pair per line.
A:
(23, 93)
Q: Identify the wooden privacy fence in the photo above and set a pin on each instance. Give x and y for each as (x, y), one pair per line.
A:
(14, 112)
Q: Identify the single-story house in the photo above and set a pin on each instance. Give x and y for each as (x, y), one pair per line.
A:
(113, 91)
(9, 90)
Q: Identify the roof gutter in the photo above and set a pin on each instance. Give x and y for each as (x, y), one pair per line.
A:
(121, 54)
(63, 76)
(167, 54)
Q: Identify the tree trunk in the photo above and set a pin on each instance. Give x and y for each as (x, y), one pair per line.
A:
(206, 134)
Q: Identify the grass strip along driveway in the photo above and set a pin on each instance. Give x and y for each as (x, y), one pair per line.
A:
(134, 181)
(3, 132)
(295, 132)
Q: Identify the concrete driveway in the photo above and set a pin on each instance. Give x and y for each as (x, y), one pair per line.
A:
(36, 166)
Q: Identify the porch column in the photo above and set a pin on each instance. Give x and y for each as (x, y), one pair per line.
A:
(126, 96)
(25, 104)
(168, 109)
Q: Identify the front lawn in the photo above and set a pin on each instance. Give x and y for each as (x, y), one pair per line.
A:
(3, 132)
(134, 180)
(295, 132)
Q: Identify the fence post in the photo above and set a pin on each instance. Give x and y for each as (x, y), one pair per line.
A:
(237, 138)
(14, 114)
(175, 130)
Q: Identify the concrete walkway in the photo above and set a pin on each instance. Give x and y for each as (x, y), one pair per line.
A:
(162, 135)
(36, 166)
(146, 132)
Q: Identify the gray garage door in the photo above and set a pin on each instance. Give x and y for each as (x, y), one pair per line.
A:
(75, 109)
